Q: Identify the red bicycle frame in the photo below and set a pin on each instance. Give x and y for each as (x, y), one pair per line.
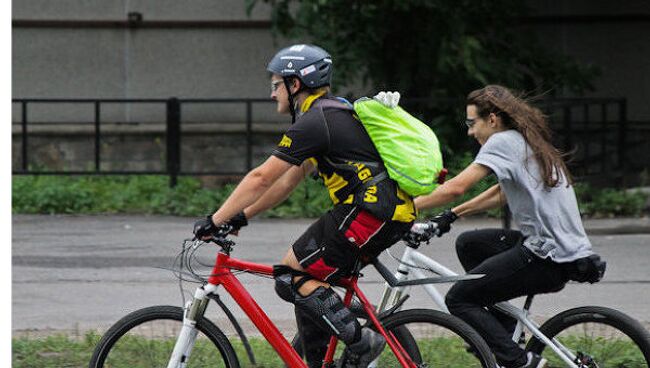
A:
(222, 275)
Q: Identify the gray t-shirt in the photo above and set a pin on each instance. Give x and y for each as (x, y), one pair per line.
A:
(548, 217)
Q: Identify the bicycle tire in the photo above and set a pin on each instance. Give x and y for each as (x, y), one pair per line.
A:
(132, 321)
(571, 328)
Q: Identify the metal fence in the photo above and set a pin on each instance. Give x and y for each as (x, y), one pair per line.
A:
(173, 111)
(596, 130)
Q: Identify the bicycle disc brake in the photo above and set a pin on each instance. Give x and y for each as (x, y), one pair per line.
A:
(585, 361)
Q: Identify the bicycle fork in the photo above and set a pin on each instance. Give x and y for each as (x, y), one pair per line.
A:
(194, 310)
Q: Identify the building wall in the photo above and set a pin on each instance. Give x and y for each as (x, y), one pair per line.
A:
(613, 35)
(118, 62)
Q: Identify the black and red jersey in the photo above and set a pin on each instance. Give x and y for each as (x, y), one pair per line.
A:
(346, 159)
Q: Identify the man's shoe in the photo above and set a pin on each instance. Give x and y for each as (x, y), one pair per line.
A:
(364, 351)
(534, 361)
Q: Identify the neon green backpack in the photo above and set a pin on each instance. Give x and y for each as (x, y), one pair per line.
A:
(408, 147)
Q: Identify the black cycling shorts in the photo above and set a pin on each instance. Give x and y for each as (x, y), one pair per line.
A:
(331, 247)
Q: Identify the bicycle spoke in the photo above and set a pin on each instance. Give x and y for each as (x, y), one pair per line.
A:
(604, 344)
(151, 344)
(437, 347)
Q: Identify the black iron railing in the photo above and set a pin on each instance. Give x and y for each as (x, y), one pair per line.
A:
(173, 136)
(578, 123)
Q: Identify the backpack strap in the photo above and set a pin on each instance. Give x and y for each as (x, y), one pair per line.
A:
(344, 105)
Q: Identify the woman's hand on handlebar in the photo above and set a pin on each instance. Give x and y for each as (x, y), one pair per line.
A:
(443, 221)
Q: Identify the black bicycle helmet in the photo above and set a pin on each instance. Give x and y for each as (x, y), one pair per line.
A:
(311, 64)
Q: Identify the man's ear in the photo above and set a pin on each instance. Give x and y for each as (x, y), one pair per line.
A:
(295, 85)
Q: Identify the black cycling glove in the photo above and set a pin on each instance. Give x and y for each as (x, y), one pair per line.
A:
(238, 221)
(444, 220)
(204, 227)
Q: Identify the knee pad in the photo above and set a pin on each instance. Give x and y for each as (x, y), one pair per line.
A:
(284, 287)
(325, 308)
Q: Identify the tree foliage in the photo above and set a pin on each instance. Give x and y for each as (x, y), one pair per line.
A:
(429, 48)
(432, 49)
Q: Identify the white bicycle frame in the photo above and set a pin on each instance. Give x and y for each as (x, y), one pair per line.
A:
(412, 266)
(185, 342)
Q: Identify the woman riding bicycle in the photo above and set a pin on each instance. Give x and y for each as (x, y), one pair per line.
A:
(368, 215)
(534, 182)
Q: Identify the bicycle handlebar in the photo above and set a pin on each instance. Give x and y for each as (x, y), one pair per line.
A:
(421, 232)
(220, 238)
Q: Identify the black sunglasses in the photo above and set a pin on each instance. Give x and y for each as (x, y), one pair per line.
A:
(470, 122)
(275, 85)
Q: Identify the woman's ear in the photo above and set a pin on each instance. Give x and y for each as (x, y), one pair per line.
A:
(492, 120)
(495, 121)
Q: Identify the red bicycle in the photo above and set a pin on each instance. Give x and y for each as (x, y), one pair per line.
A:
(174, 337)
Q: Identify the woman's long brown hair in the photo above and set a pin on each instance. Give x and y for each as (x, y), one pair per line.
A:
(517, 113)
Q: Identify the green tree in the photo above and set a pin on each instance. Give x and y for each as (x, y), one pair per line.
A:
(436, 50)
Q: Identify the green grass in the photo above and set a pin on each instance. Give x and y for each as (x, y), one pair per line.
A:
(60, 351)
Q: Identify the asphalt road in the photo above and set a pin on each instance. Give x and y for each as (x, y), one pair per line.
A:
(75, 273)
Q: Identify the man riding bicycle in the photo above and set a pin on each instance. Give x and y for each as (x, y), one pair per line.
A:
(370, 212)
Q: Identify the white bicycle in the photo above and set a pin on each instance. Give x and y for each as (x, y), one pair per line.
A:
(583, 337)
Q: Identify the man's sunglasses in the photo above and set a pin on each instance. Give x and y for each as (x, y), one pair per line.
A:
(275, 85)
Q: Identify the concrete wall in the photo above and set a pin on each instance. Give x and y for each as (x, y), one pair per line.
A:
(138, 63)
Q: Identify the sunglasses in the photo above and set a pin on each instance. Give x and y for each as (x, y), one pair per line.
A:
(275, 85)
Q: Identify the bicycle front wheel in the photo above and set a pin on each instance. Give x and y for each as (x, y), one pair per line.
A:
(435, 339)
(146, 338)
(597, 337)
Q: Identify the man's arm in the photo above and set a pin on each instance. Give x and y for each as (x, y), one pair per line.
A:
(453, 188)
(280, 190)
(491, 198)
(251, 188)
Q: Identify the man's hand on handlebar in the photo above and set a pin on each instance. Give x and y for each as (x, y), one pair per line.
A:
(205, 229)
(421, 232)
(237, 222)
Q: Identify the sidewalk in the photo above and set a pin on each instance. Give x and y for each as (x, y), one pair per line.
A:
(617, 226)
(607, 226)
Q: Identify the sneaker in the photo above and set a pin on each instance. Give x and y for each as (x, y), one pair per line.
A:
(534, 361)
(364, 351)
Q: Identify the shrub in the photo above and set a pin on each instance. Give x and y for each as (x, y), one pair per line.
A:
(152, 195)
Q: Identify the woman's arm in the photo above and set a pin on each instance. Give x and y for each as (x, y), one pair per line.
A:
(453, 188)
(491, 198)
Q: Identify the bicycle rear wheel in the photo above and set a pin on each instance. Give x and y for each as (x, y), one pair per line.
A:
(598, 336)
(435, 339)
(146, 338)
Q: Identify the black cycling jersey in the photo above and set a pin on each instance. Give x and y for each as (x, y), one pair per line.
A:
(346, 159)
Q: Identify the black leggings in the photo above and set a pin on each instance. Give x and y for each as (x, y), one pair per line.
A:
(511, 270)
